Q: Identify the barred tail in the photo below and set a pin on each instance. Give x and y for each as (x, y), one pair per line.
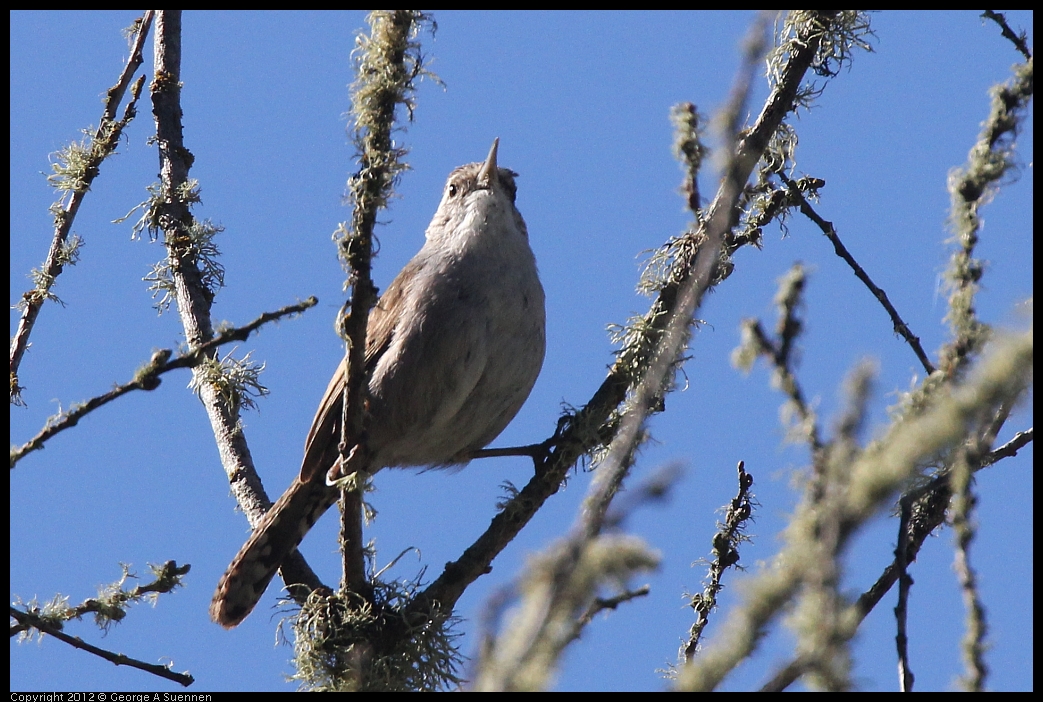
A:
(278, 534)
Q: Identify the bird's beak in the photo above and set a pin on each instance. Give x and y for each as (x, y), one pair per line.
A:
(485, 176)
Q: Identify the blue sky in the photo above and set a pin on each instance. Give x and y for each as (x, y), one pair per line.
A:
(581, 104)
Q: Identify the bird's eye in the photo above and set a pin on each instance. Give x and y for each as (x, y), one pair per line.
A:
(452, 190)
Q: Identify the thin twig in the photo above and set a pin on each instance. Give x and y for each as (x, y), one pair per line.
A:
(900, 327)
(906, 678)
(1018, 39)
(726, 543)
(973, 644)
(109, 607)
(62, 251)
(1008, 449)
(28, 619)
(600, 604)
(533, 451)
(147, 377)
(788, 328)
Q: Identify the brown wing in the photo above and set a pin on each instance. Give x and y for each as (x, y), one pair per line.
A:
(320, 448)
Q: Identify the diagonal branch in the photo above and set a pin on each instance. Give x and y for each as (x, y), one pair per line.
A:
(1017, 39)
(830, 231)
(193, 295)
(29, 620)
(76, 170)
(147, 377)
(589, 427)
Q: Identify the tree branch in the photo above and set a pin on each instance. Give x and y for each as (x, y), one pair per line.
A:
(77, 167)
(828, 229)
(147, 377)
(28, 619)
(580, 432)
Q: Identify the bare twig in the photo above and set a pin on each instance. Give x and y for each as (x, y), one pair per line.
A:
(830, 231)
(600, 604)
(906, 678)
(536, 452)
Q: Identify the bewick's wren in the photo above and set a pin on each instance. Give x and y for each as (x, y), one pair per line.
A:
(453, 348)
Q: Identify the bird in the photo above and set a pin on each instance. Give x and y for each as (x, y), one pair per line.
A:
(453, 349)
